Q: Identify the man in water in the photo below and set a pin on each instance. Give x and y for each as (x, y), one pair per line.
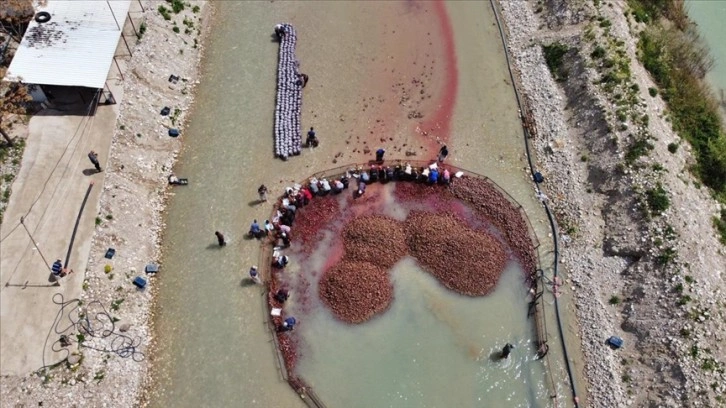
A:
(443, 152)
(262, 191)
(282, 295)
(302, 80)
(507, 350)
(93, 157)
(289, 324)
(255, 230)
(312, 139)
(220, 238)
(255, 275)
(379, 154)
(279, 30)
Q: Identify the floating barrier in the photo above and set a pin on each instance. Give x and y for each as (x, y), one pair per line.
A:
(288, 135)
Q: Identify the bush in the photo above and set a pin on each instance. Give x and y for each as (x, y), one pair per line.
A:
(639, 148)
(657, 199)
(599, 52)
(142, 30)
(667, 256)
(720, 224)
(176, 29)
(164, 12)
(614, 300)
(177, 6)
(677, 60)
(653, 92)
(672, 147)
(554, 56)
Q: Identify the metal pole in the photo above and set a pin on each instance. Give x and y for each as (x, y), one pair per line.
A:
(131, 20)
(119, 68)
(114, 15)
(123, 37)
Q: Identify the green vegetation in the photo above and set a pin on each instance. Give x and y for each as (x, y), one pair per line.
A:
(672, 147)
(657, 199)
(709, 364)
(653, 92)
(639, 148)
(677, 59)
(720, 224)
(176, 29)
(116, 304)
(667, 256)
(142, 30)
(195, 9)
(98, 220)
(614, 300)
(683, 300)
(554, 56)
(176, 5)
(164, 12)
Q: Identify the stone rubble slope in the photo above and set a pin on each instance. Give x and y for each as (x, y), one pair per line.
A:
(612, 246)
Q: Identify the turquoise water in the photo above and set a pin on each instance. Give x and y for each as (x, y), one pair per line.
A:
(710, 16)
(431, 348)
(215, 347)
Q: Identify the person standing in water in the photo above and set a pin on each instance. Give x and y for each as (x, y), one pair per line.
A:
(93, 157)
(220, 238)
(443, 152)
(255, 275)
(379, 154)
(507, 350)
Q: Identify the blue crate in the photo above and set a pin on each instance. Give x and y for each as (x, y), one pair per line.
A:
(615, 342)
(110, 253)
(139, 282)
(152, 268)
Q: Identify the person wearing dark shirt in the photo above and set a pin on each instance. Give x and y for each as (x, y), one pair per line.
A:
(443, 152)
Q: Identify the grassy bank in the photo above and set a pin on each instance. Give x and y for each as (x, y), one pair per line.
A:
(677, 59)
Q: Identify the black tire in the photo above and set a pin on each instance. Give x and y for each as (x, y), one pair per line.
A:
(42, 17)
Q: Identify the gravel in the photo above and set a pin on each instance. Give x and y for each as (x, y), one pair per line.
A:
(609, 248)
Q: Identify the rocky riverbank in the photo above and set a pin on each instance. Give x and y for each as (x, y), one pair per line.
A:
(109, 362)
(640, 252)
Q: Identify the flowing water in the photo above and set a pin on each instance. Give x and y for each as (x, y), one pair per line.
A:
(375, 68)
(710, 15)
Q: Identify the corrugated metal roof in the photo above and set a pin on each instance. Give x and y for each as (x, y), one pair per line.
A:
(74, 48)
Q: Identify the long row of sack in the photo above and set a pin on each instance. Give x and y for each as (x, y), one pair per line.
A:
(288, 134)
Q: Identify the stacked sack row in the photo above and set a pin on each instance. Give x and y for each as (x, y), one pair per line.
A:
(288, 134)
